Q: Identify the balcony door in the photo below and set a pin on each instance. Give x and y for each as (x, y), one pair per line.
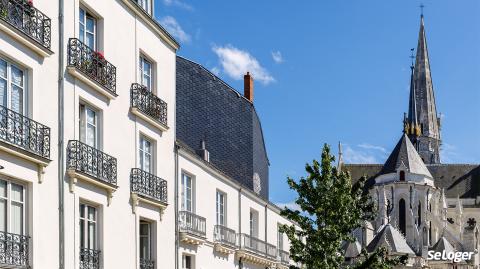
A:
(12, 208)
(146, 73)
(88, 126)
(88, 227)
(146, 156)
(87, 29)
(145, 242)
(221, 208)
(12, 86)
(187, 189)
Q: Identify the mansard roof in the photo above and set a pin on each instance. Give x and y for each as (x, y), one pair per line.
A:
(390, 238)
(405, 155)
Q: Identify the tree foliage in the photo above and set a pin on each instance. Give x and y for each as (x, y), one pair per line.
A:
(331, 208)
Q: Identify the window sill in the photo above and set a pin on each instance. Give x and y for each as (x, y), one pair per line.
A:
(97, 87)
(75, 175)
(40, 161)
(24, 39)
(148, 119)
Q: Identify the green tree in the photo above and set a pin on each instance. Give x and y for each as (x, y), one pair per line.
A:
(331, 208)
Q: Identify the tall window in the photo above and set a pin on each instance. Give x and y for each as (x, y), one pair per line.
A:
(187, 262)
(221, 208)
(146, 157)
(146, 73)
(88, 29)
(88, 126)
(402, 175)
(253, 223)
(146, 5)
(12, 86)
(402, 219)
(279, 238)
(12, 207)
(187, 193)
(145, 240)
(88, 227)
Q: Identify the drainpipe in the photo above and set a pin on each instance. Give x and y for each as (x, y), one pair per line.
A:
(266, 225)
(61, 198)
(240, 263)
(176, 207)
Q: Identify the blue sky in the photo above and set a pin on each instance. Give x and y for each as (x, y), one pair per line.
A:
(329, 71)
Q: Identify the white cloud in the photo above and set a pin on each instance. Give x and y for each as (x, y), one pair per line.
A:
(364, 154)
(235, 63)
(216, 71)
(448, 153)
(277, 57)
(178, 3)
(369, 146)
(291, 205)
(172, 26)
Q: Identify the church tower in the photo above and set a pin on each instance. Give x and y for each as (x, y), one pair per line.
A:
(423, 124)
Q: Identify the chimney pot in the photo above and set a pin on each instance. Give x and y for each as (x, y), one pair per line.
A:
(248, 86)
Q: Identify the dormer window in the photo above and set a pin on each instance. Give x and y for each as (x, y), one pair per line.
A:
(402, 175)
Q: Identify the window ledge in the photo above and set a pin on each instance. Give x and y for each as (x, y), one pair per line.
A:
(75, 175)
(40, 161)
(99, 88)
(24, 39)
(136, 199)
(137, 112)
(191, 239)
(255, 258)
(224, 249)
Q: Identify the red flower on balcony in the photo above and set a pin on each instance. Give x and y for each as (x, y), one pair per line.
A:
(100, 55)
(30, 2)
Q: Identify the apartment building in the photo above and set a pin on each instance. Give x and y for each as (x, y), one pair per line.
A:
(92, 174)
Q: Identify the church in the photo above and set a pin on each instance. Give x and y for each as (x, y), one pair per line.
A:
(427, 210)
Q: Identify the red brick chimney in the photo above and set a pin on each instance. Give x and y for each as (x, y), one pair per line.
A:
(248, 86)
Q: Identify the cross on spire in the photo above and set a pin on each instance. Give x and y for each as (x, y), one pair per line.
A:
(422, 6)
(412, 55)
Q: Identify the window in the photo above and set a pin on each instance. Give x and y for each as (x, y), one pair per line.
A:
(146, 5)
(221, 208)
(146, 73)
(279, 238)
(187, 262)
(88, 126)
(12, 86)
(145, 240)
(402, 216)
(88, 227)
(253, 223)
(12, 207)
(87, 28)
(187, 193)
(402, 175)
(146, 159)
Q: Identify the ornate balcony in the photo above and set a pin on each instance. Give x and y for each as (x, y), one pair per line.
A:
(148, 106)
(284, 257)
(225, 239)
(148, 188)
(256, 251)
(92, 68)
(192, 228)
(92, 165)
(23, 18)
(89, 258)
(147, 264)
(25, 134)
(14, 250)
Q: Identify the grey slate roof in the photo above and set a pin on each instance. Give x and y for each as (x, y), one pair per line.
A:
(209, 109)
(352, 249)
(390, 238)
(405, 154)
(443, 244)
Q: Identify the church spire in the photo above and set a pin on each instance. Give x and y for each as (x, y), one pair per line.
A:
(412, 128)
(422, 108)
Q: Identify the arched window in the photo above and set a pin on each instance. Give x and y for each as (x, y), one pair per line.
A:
(402, 216)
(402, 175)
(419, 214)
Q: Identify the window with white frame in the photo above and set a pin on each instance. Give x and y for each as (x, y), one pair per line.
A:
(146, 5)
(88, 126)
(12, 86)
(187, 190)
(87, 29)
(88, 227)
(146, 240)
(146, 73)
(187, 262)
(221, 208)
(12, 207)
(253, 223)
(146, 154)
(279, 238)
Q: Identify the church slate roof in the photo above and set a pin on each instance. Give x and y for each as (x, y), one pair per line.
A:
(209, 109)
(405, 154)
(443, 244)
(352, 249)
(390, 238)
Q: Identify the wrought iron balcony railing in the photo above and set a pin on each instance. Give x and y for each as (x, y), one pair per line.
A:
(92, 64)
(224, 235)
(27, 19)
(284, 257)
(24, 133)
(89, 258)
(148, 103)
(148, 185)
(147, 264)
(14, 250)
(257, 246)
(191, 223)
(90, 161)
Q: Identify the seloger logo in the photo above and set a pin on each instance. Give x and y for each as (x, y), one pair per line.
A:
(452, 256)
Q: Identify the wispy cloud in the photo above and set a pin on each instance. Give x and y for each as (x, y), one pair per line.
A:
(235, 63)
(178, 3)
(449, 153)
(364, 153)
(291, 205)
(277, 57)
(369, 146)
(174, 28)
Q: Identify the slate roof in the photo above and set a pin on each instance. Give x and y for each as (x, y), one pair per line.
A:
(405, 154)
(352, 249)
(443, 244)
(390, 238)
(209, 109)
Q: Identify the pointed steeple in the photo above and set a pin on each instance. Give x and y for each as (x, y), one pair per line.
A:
(412, 128)
(422, 107)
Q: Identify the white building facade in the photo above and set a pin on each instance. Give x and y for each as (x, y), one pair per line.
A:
(93, 175)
